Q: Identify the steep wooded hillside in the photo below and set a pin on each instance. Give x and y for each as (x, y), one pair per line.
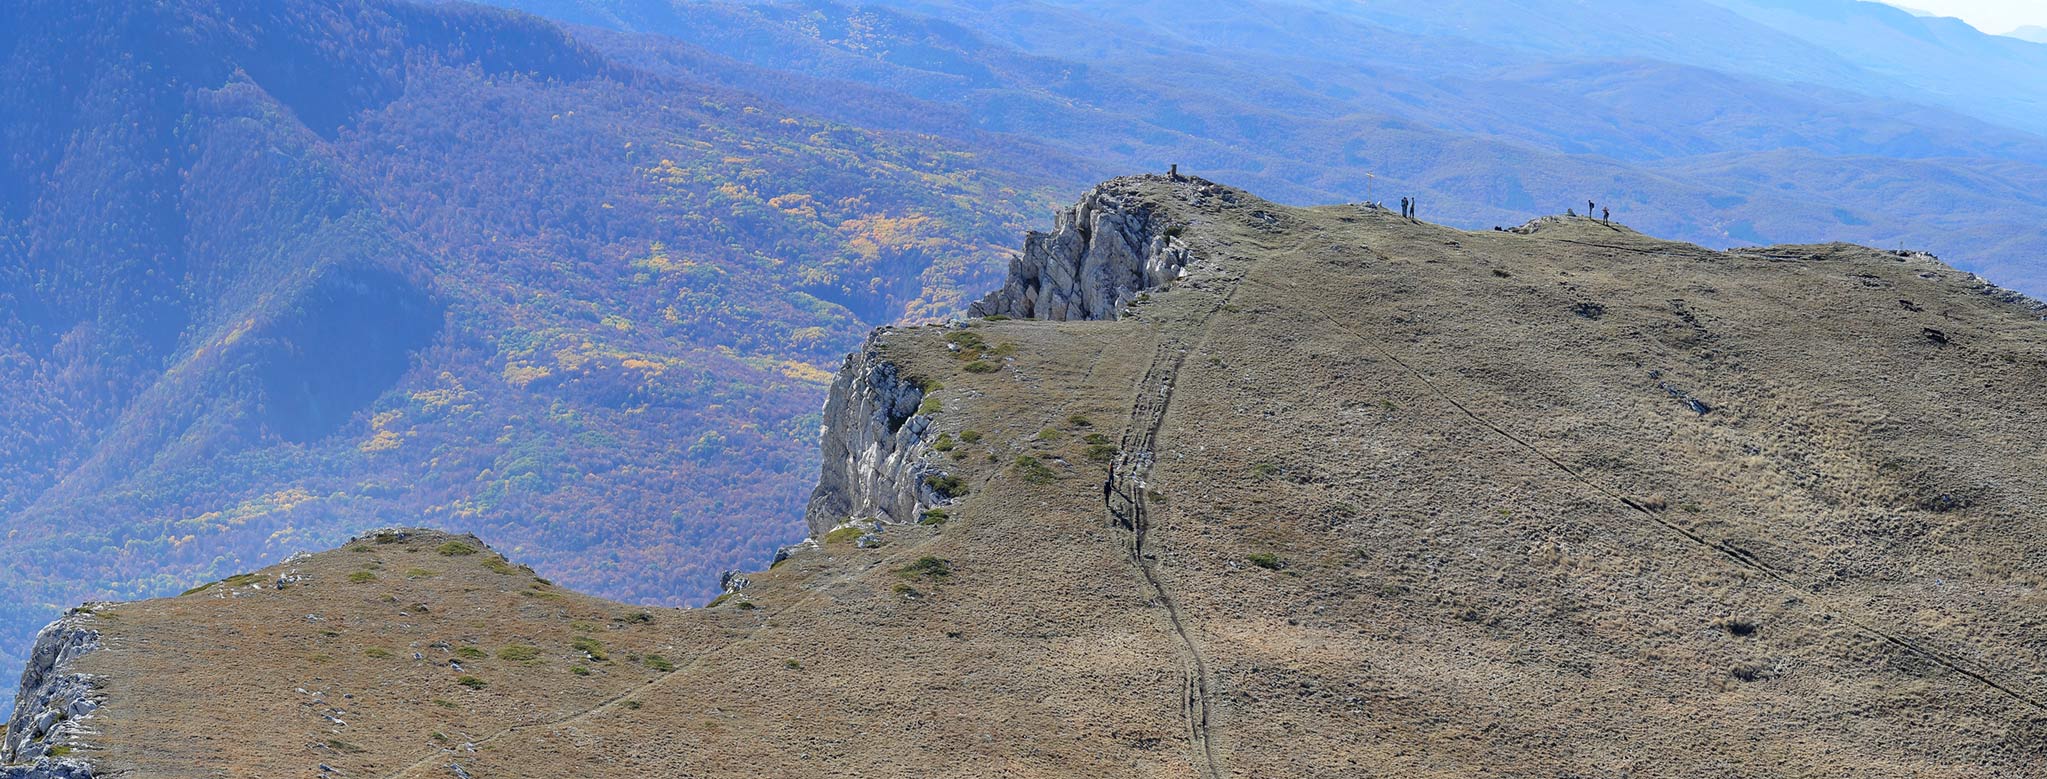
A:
(272, 273)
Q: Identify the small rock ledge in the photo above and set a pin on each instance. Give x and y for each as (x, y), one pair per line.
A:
(1101, 253)
(54, 707)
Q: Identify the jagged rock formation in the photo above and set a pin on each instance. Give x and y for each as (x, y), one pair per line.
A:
(55, 704)
(873, 441)
(1101, 254)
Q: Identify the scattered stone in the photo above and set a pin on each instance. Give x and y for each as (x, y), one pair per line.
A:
(732, 581)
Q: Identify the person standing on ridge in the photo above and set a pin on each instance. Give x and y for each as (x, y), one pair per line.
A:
(1403, 208)
(1413, 206)
(1591, 208)
(1606, 216)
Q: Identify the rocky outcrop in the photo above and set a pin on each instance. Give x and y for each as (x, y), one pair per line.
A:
(1102, 252)
(54, 707)
(875, 456)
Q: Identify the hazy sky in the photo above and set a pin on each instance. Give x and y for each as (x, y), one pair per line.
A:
(1994, 16)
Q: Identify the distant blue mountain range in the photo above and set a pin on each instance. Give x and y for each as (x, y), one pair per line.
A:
(1724, 122)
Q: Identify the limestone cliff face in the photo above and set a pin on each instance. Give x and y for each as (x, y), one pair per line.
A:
(55, 704)
(875, 456)
(1101, 253)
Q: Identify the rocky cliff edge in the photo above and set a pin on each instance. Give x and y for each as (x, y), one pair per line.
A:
(54, 711)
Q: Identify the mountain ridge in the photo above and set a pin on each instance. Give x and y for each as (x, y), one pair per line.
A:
(1409, 550)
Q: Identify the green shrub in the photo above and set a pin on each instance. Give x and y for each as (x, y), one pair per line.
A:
(845, 535)
(1033, 470)
(1079, 420)
(792, 664)
(1101, 453)
(519, 652)
(360, 577)
(997, 317)
(969, 342)
(947, 485)
(970, 436)
(931, 405)
(1266, 560)
(1265, 470)
(471, 653)
(498, 565)
(928, 568)
(420, 573)
(579, 670)
(455, 549)
(747, 605)
(658, 663)
(377, 652)
(1049, 434)
(589, 646)
(933, 517)
(943, 443)
(472, 682)
(982, 366)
